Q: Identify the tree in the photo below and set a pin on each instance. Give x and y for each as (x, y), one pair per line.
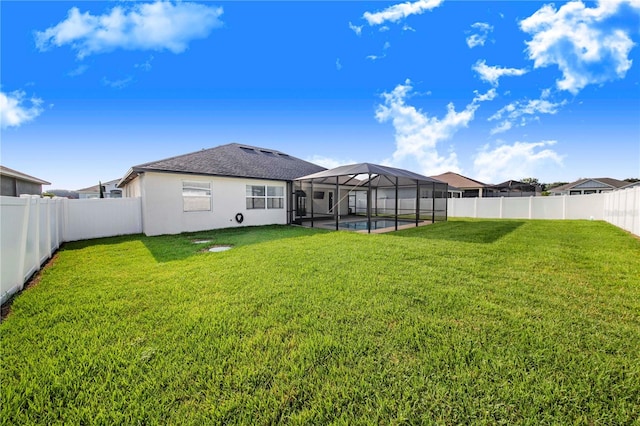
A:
(531, 181)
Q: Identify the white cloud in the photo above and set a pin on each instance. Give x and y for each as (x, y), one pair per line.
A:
(521, 112)
(148, 26)
(513, 161)
(338, 64)
(583, 42)
(400, 11)
(491, 74)
(329, 163)
(417, 134)
(78, 71)
(356, 28)
(146, 65)
(14, 110)
(117, 84)
(504, 126)
(489, 96)
(479, 39)
(385, 47)
(406, 27)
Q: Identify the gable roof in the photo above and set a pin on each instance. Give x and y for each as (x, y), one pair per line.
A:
(599, 183)
(231, 160)
(459, 181)
(5, 171)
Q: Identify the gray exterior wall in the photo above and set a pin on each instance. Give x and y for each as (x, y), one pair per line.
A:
(12, 187)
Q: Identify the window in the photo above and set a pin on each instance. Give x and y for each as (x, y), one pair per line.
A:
(260, 197)
(255, 197)
(275, 197)
(196, 196)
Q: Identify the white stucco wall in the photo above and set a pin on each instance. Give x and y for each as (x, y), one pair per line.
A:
(321, 205)
(132, 189)
(162, 204)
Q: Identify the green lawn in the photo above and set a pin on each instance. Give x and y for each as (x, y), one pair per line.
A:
(468, 321)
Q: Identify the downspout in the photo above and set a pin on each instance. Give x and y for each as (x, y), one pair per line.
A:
(336, 205)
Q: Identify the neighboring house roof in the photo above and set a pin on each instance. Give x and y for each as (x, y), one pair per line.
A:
(5, 171)
(459, 181)
(590, 183)
(95, 188)
(631, 185)
(231, 160)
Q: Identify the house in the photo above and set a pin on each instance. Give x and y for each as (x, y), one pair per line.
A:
(14, 183)
(588, 186)
(230, 185)
(469, 188)
(109, 189)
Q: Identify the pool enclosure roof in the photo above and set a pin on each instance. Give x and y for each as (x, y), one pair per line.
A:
(379, 176)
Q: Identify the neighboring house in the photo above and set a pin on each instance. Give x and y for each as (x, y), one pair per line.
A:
(469, 188)
(230, 185)
(109, 189)
(14, 183)
(588, 186)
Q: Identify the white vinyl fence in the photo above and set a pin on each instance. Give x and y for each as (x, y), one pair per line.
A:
(620, 208)
(32, 229)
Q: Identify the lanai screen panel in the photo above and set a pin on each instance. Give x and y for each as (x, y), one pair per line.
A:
(376, 191)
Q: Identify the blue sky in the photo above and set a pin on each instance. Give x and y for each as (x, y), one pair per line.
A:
(493, 90)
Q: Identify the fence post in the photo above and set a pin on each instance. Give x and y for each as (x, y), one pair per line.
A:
(564, 206)
(501, 206)
(475, 207)
(48, 212)
(23, 239)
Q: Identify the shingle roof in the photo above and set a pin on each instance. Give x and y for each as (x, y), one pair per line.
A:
(459, 181)
(232, 160)
(614, 183)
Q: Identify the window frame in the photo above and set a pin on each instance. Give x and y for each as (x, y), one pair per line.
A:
(270, 197)
(194, 186)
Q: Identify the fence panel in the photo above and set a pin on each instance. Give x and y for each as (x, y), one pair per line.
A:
(32, 229)
(622, 209)
(97, 218)
(590, 206)
(517, 208)
(548, 207)
(31, 256)
(13, 228)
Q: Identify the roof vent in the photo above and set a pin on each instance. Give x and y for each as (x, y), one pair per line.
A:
(265, 152)
(248, 150)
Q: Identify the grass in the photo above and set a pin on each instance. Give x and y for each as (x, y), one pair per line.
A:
(468, 321)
